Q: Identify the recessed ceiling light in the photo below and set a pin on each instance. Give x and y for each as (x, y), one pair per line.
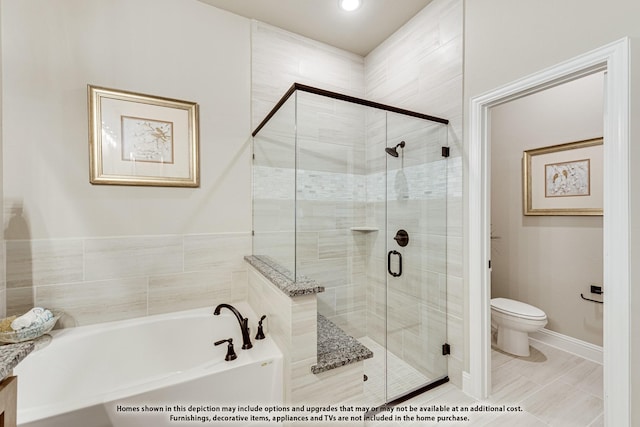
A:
(350, 5)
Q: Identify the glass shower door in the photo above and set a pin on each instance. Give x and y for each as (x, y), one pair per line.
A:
(416, 254)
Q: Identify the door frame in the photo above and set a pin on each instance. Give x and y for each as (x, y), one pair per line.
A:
(614, 60)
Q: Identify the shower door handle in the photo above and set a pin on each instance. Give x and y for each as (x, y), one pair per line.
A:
(393, 273)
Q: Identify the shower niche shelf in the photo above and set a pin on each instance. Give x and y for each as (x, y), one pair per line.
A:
(365, 229)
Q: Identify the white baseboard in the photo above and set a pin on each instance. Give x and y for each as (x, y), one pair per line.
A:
(467, 384)
(570, 345)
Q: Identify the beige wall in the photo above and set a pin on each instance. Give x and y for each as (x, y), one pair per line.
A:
(546, 261)
(179, 49)
(506, 40)
(110, 252)
(3, 284)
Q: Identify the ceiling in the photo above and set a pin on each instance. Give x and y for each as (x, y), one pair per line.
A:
(358, 32)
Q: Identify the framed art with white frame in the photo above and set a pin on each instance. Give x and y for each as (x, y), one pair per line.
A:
(137, 139)
(564, 179)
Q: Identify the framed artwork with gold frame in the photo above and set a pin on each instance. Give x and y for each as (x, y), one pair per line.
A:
(137, 139)
(564, 179)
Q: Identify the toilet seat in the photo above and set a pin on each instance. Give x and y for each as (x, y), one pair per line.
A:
(517, 308)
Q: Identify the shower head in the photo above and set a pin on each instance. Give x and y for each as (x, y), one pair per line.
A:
(391, 151)
(394, 151)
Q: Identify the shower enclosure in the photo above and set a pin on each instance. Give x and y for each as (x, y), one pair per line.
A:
(353, 194)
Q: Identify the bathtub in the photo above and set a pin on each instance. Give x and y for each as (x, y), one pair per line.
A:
(109, 374)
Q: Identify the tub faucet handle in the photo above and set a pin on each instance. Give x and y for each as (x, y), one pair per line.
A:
(231, 354)
(260, 334)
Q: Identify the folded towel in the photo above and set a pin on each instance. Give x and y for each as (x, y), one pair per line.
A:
(35, 316)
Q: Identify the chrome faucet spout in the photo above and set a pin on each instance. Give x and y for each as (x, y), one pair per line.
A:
(243, 321)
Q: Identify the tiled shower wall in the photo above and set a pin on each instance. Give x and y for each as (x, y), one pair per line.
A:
(331, 199)
(407, 314)
(280, 58)
(102, 279)
(330, 178)
(420, 68)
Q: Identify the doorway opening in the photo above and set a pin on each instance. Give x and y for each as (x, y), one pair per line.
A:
(614, 60)
(547, 247)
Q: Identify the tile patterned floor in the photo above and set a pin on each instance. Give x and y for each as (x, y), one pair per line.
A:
(554, 389)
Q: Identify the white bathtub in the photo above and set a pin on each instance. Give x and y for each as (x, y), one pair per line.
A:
(85, 373)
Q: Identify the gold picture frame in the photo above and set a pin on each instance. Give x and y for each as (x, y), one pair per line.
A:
(564, 179)
(137, 139)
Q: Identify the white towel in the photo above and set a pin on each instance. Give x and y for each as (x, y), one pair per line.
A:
(36, 315)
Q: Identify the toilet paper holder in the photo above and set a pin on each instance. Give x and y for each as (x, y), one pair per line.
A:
(595, 289)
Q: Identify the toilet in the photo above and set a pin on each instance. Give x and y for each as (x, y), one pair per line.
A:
(514, 320)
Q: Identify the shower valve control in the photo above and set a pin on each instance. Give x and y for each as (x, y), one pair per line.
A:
(402, 237)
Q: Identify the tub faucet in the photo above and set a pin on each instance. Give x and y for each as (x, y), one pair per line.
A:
(243, 321)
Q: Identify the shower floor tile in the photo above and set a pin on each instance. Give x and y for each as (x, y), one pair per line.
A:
(402, 378)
